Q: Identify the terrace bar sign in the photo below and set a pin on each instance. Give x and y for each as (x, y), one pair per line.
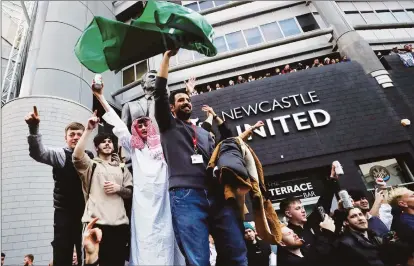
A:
(303, 120)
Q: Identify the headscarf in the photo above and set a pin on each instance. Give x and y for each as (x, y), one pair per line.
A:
(153, 139)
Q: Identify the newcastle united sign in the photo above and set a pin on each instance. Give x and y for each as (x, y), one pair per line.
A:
(302, 120)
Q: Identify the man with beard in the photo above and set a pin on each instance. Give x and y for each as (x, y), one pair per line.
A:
(258, 252)
(291, 250)
(28, 260)
(307, 227)
(105, 186)
(374, 223)
(197, 204)
(359, 245)
(68, 199)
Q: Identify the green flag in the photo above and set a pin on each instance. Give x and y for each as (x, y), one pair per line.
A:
(109, 44)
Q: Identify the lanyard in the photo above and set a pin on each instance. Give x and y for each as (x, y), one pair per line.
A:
(194, 139)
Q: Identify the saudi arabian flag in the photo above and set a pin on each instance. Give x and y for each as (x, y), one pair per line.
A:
(109, 44)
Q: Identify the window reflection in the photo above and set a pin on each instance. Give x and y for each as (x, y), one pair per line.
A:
(235, 40)
(220, 44)
(271, 31)
(253, 36)
(128, 76)
(289, 27)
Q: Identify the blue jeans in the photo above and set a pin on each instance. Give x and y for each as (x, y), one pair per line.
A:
(198, 212)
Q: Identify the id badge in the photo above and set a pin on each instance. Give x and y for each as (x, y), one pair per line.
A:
(196, 159)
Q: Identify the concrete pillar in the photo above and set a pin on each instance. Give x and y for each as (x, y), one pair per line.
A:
(350, 43)
(52, 67)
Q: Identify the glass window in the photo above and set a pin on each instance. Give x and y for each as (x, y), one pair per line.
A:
(355, 19)
(386, 17)
(271, 31)
(307, 22)
(253, 36)
(220, 3)
(411, 14)
(128, 76)
(362, 6)
(220, 44)
(392, 5)
(346, 6)
(371, 18)
(184, 55)
(141, 69)
(235, 40)
(377, 5)
(289, 27)
(205, 4)
(193, 6)
(389, 170)
(401, 16)
(407, 4)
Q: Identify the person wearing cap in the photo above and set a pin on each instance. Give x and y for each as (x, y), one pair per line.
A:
(152, 234)
(258, 252)
(374, 223)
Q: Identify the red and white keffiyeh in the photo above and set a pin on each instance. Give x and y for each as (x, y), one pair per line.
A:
(153, 139)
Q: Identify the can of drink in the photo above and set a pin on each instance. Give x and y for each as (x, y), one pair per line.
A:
(98, 83)
(346, 199)
(338, 168)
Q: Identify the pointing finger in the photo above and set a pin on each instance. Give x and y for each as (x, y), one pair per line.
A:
(35, 111)
(92, 223)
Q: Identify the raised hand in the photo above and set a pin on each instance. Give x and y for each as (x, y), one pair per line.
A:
(208, 109)
(93, 121)
(97, 91)
(328, 224)
(33, 119)
(171, 53)
(258, 124)
(190, 84)
(91, 239)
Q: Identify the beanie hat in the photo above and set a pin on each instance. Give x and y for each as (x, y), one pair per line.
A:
(248, 225)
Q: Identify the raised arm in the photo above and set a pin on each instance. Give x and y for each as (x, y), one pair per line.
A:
(120, 128)
(40, 153)
(79, 151)
(162, 106)
(190, 85)
(246, 134)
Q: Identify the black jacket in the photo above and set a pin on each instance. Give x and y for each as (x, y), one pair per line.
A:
(258, 254)
(354, 249)
(319, 253)
(311, 227)
(68, 193)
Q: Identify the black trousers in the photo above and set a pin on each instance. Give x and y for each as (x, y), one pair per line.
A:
(67, 234)
(113, 246)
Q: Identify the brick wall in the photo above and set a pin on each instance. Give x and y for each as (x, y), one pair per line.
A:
(27, 186)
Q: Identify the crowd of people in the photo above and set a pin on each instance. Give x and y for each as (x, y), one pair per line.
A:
(281, 70)
(182, 202)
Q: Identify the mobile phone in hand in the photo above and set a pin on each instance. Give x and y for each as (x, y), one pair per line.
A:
(321, 211)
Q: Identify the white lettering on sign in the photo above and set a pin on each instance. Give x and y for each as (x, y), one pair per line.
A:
(292, 189)
(300, 119)
(271, 106)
